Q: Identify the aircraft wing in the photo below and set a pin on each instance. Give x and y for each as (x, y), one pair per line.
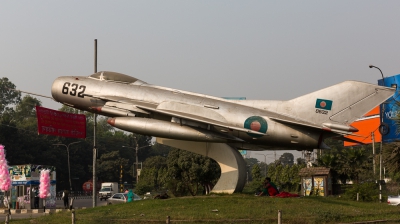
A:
(144, 108)
(289, 120)
(174, 109)
(122, 103)
(199, 119)
(281, 119)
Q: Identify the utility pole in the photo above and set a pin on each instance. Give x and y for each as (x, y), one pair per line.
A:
(94, 198)
(137, 160)
(136, 148)
(69, 167)
(381, 131)
(121, 185)
(373, 151)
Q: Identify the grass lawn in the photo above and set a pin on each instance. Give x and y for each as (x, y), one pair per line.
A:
(235, 208)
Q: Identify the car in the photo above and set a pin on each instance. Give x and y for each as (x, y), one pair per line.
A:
(119, 198)
(393, 200)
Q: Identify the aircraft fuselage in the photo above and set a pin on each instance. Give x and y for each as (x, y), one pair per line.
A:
(86, 94)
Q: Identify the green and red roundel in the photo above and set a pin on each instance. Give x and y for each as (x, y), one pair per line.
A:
(256, 123)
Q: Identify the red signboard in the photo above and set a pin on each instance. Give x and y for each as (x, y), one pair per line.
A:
(54, 122)
(87, 186)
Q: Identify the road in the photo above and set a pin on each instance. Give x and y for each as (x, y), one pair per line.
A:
(78, 203)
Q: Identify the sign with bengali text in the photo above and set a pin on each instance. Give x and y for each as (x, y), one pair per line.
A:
(53, 122)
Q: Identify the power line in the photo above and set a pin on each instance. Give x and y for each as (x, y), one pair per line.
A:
(35, 94)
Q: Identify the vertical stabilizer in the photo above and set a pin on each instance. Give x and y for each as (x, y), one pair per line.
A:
(339, 104)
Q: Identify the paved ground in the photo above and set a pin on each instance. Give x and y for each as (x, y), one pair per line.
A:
(21, 216)
(84, 202)
(78, 203)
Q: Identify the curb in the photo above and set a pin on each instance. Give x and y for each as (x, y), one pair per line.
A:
(25, 211)
(76, 197)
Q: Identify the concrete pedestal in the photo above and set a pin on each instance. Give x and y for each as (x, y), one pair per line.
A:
(233, 166)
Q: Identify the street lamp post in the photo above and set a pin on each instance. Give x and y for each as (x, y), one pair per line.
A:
(380, 151)
(265, 161)
(69, 169)
(137, 159)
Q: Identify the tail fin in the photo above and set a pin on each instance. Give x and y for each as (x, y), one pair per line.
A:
(342, 103)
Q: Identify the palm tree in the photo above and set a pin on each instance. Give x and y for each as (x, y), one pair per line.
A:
(391, 156)
(331, 160)
(353, 162)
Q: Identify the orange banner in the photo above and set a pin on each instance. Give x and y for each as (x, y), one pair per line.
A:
(366, 125)
(54, 122)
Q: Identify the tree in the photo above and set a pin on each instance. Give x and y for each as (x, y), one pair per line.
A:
(331, 160)
(153, 175)
(25, 113)
(301, 161)
(255, 185)
(8, 96)
(295, 179)
(285, 176)
(256, 173)
(187, 172)
(159, 150)
(110, 166)
(353, 162)
(287, 159)
(250, 162)
(391, 156)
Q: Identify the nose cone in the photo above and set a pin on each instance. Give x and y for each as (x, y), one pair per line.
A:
(56, 89)
(111, 121)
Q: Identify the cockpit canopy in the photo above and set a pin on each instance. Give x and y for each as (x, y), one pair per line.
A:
(115, 77)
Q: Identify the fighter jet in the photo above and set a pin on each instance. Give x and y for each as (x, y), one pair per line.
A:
(301, 123)
(205, 124)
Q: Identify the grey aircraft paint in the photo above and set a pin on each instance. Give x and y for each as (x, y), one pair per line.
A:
(301, 123)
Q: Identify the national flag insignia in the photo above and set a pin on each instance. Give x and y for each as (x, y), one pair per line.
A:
(256, 123)
(323, 104)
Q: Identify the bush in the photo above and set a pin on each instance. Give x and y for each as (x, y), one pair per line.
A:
(142, 188)
(252, 187)
(366, 192)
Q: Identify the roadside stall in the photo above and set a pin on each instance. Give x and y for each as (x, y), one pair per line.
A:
(25, 178)
(316, 181)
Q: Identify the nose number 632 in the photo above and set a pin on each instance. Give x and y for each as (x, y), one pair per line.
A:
(73, 89)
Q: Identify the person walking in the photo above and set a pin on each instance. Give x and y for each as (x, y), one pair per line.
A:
(65, 198)
(130, 195)
(35, 192)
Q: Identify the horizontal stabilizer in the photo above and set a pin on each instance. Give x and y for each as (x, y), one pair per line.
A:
(348, 140)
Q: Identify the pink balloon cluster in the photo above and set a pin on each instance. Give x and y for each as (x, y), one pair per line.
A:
(5, 180)
(44, 187)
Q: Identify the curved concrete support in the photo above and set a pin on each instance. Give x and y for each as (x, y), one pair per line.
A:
(233, 166)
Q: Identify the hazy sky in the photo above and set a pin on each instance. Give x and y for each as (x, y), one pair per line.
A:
(255, 49)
